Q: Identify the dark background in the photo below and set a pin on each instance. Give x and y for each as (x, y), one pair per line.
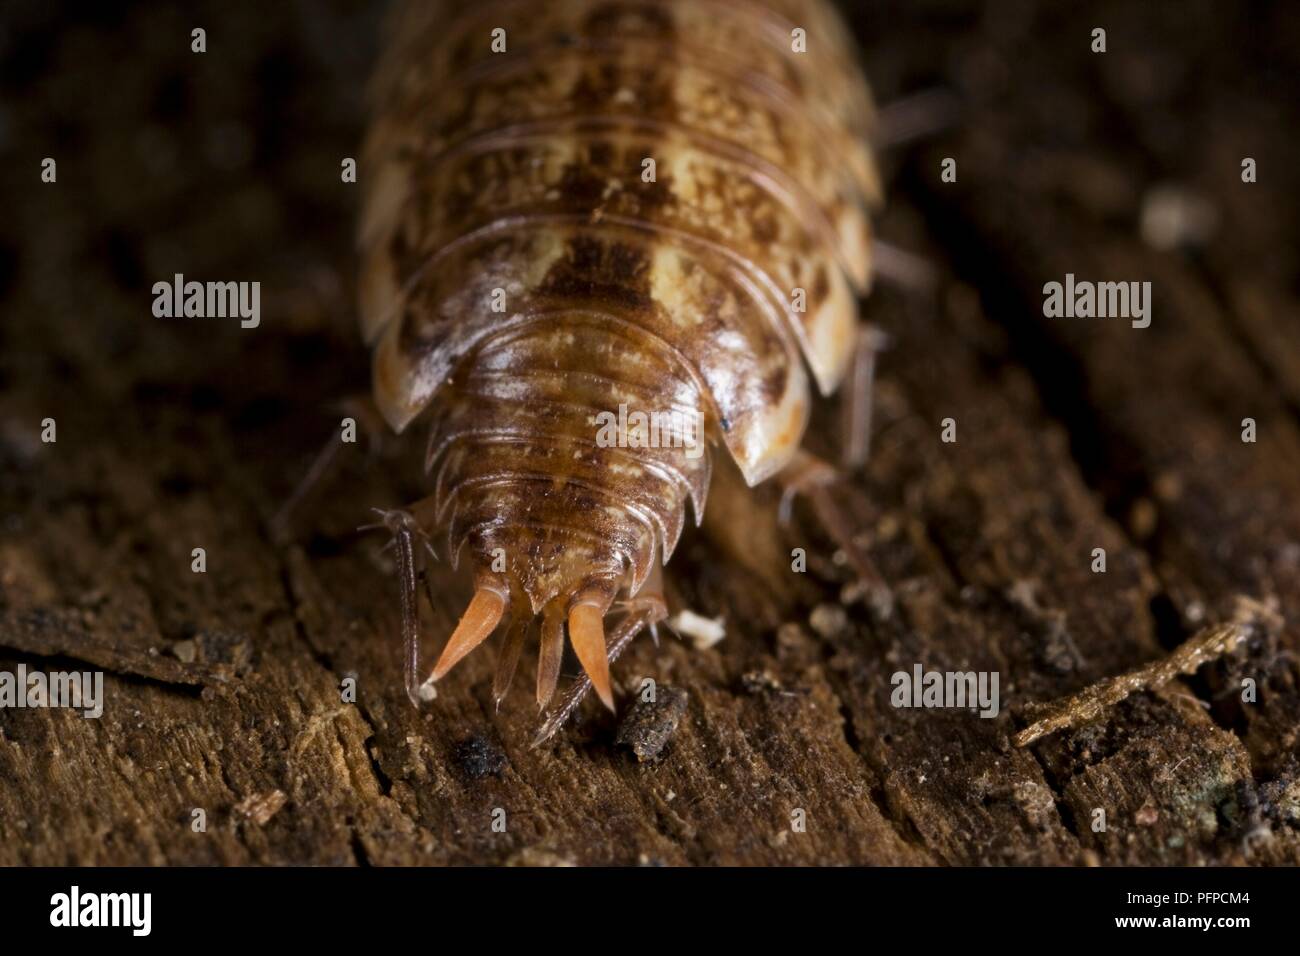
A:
(1073, 435)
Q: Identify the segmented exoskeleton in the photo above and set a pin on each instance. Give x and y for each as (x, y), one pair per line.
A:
(578, 206)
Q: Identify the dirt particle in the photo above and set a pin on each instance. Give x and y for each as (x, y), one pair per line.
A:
(538, 856)
(791, 636)
(1142, 518)
(758, 682)
(828, 620)
(651, 724)
(480, 757)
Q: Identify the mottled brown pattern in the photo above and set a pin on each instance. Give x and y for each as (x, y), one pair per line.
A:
(521, 275)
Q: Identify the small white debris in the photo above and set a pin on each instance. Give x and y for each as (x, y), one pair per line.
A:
(828, 620)
(704, 632)
(427, 691)
(1173, 216)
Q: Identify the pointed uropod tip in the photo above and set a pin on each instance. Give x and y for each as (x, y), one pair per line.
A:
(479, 620)
(587, 635)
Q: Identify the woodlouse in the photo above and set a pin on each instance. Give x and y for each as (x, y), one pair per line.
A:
(660, 205)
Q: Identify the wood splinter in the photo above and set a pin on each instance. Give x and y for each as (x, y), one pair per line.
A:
(1209, 644)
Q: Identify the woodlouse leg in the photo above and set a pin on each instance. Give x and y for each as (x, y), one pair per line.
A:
(855, 407)
(645, 610)
(1211, 643)
(914, 117)
(324, 467)
(904, 270)
(405, 534)
(915, 276)
(816, 480)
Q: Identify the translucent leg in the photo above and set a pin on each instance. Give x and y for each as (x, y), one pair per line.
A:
(644, 610)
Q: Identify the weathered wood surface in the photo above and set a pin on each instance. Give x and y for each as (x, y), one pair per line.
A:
(223, 688)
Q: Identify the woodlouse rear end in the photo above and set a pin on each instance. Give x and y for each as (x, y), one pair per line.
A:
(595, 208)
